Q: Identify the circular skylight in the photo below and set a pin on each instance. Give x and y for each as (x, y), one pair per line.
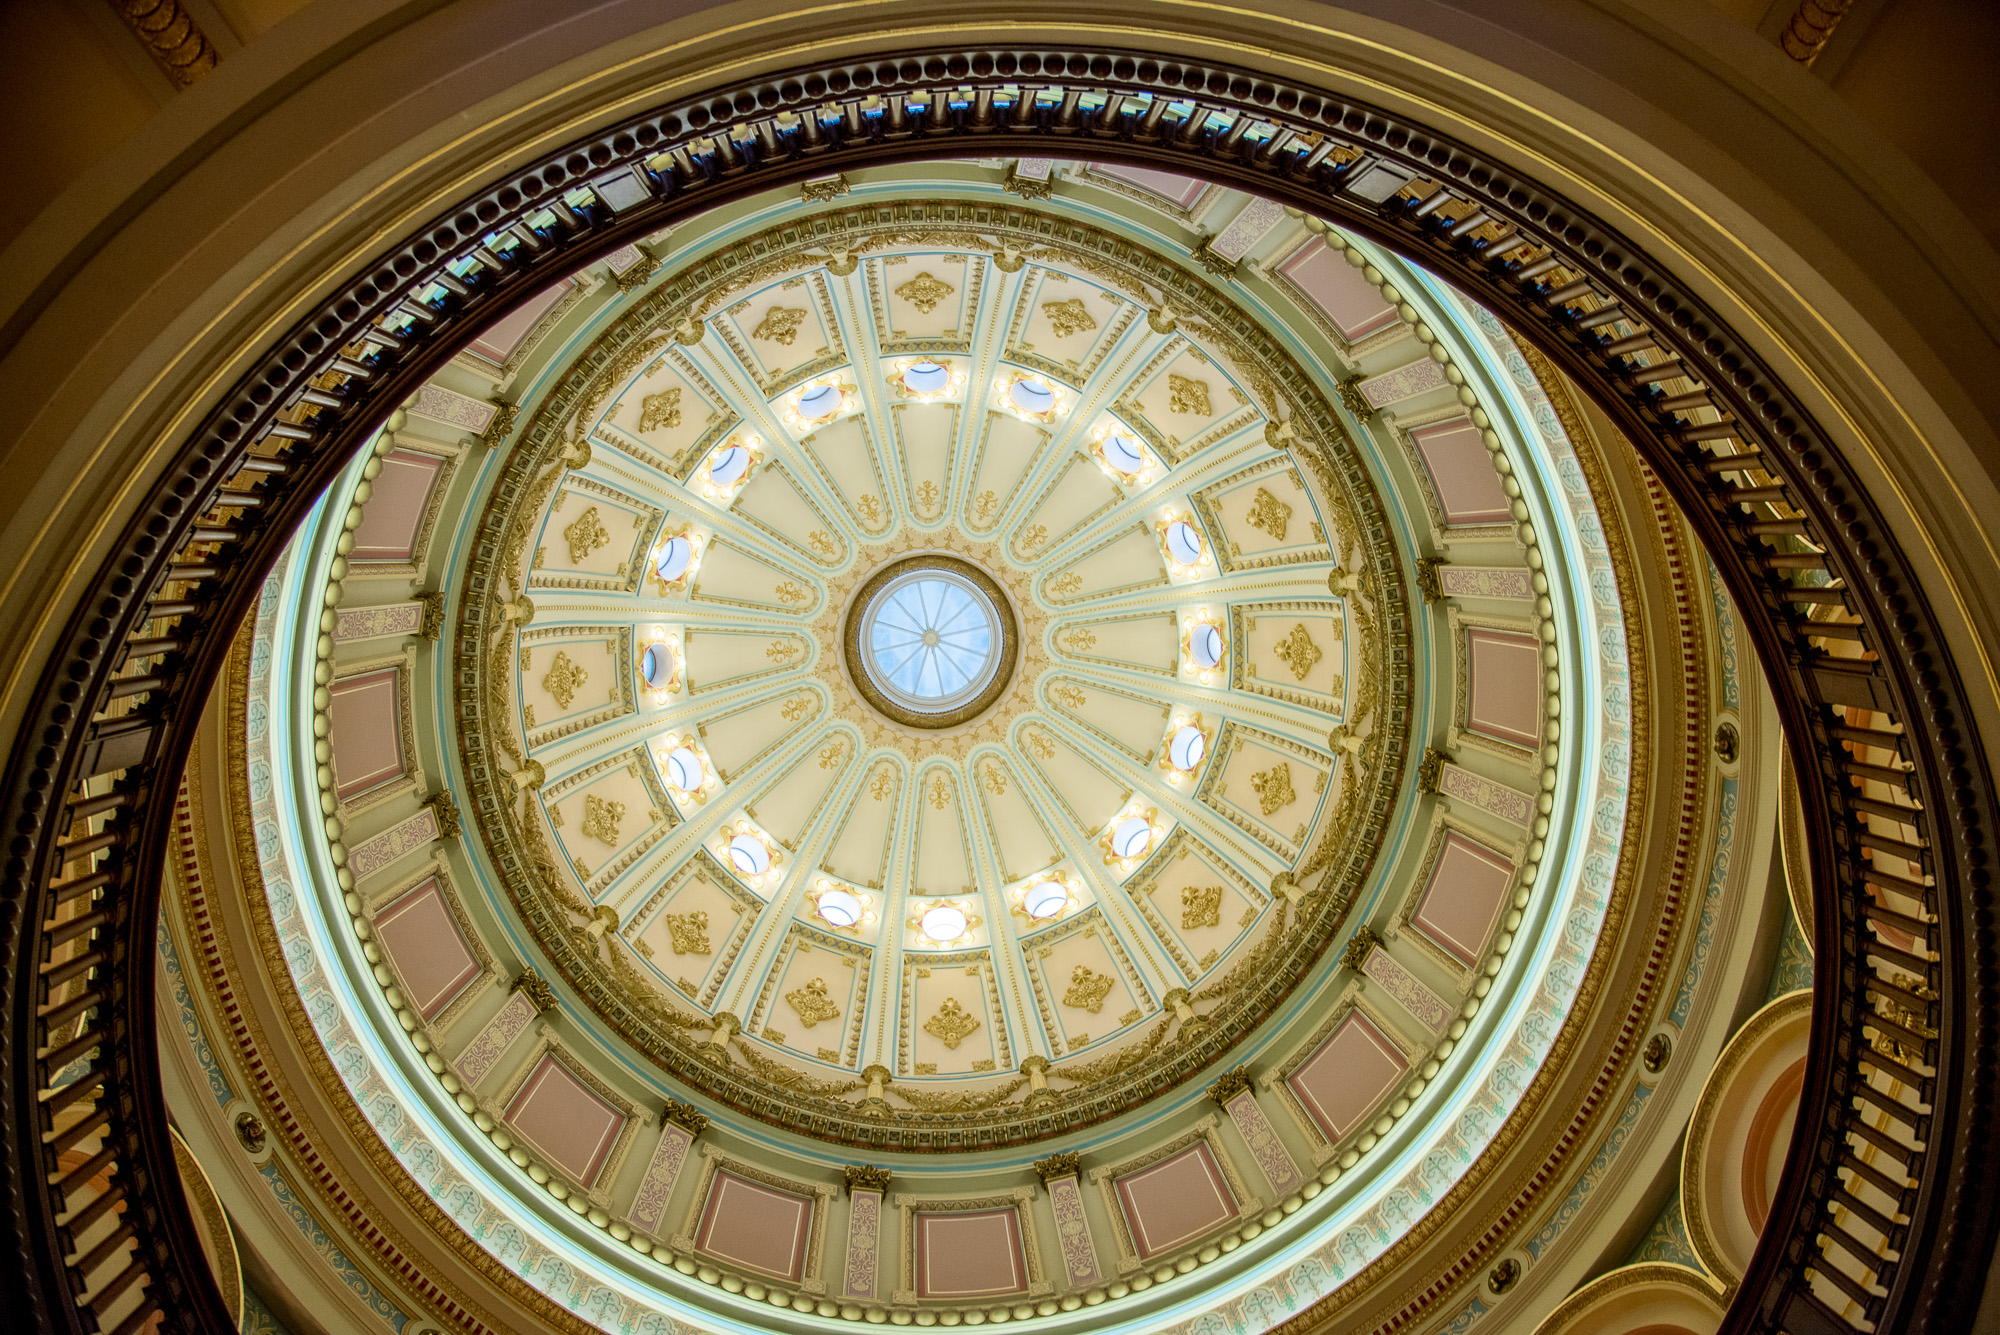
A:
(1187, 747)
(656, 665)
(1030, 397)
(931, 640)
(747, 851)
(1123, 453)
(1045, 899)
(1183, 543)
(1205, 646)
(672, 562)
(926, 378)
(684, 769)
(1132, 837)
(727, 466)
(839, 908)
(816, 403)
(946, 922)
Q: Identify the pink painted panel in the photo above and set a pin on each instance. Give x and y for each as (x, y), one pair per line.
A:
(758, 1227)
(1769, 1139)
(497, 344)
(1347, 1075)
(1506, 673)
(970, 1254)
(428, 948)
(1468, 486)
(1339, 290)
(1179, 191)
(565, 1119)
(394, 514)
(365, 729)
(1462, 901)
(1175, 1200)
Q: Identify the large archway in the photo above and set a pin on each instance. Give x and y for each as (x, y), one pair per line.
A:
(1781, 507)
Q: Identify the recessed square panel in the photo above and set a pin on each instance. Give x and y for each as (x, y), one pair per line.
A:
(1467, 889)
(427, 947)
(1347, 1075)
(1505, 672)
(563, 1118)
(365, 729)
(758, 1227)
(394, 514)
(1175, 1200)
(1352, 304)
(969, 1254)
(1462, 472)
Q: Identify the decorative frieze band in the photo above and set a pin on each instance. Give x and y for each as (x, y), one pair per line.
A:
(490, 1044)
(1405, 382)
(399, 840)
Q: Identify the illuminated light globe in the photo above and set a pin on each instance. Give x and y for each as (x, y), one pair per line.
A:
(656, 665)
(839, 908)
(1205, 646)
(684, 769)
(821, 402)
(673, 559)
(1133, 836)
(1030, 397)
(747, 851)
(728, 465)
(1187, 748)
(1045, 899)
(1183, 543)
(1123, 453)
(926, 378)
(943, 923)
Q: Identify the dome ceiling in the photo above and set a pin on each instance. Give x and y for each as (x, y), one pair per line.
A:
(862, 571)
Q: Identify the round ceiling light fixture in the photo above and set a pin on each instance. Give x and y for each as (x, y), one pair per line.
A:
(1184, 543)
(673, 559)
(684, 769)
(822, 401)
(930, 641)
(1045, 899)
(1133, 837)
(749, 855)
(656, 665)
(1123, 453)
(727, 466)
(1188, 746)
(945, 922)
(927, 378)
(1030, 397)
(839, 908)
(1205, 646)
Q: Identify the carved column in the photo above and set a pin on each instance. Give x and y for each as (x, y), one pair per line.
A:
(680, 1123)
(1036, 1068)
(865, 1188)
(727, 1026)
(1061, 1176)
(1233, 1094)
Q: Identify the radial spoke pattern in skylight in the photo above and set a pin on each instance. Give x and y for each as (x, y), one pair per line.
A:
(932, 640)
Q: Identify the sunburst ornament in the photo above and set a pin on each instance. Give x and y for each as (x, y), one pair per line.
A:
(927, 379)
(943, 924)
(1032, 397)
(818, 402)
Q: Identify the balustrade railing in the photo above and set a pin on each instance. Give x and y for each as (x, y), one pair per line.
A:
(1885, 1217)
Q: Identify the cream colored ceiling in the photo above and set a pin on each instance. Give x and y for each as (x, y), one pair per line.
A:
(1149, 951)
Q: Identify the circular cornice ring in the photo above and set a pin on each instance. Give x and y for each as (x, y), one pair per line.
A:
(866, 602)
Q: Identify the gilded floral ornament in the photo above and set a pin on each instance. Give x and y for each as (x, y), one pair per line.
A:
(1068, 317)
(780, 325)
(585, 534)
(951, 1025)
(660, 410)
(1187, 396)
(562, 679)
(601, 818)
(688, 932)
(1087, 989)
(1201, 906)
(925, 291)
(1274, 788)
(812, 1004)
(1269, 513)
(1298, 652)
